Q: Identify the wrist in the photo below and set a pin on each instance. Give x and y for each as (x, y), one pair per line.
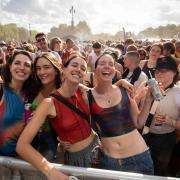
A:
(172, 123)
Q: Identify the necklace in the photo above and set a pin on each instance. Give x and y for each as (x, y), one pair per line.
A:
(107, 99)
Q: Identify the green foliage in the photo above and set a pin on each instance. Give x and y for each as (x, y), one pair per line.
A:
(10, 32)
(168, 31)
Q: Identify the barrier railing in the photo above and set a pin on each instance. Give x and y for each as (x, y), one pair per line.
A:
(23, 170)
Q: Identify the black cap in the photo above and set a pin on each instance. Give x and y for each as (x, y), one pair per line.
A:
(166, 62)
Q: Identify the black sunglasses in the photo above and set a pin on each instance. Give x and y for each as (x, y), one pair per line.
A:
(41, 39)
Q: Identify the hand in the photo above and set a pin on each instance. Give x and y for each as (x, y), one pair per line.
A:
(66, 145)
(160, 119)
(125, 84)
(55, 174)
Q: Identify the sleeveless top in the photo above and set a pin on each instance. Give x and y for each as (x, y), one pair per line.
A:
(11, 121)
(146, 70)
(68, 124)
(113, 121)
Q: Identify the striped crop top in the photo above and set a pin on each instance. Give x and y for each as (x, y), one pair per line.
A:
(113, 121)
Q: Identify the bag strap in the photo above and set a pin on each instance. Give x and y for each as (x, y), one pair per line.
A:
(92, 121)
(1, 91)
(71, 106)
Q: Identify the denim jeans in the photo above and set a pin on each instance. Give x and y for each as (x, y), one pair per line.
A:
(140, 163)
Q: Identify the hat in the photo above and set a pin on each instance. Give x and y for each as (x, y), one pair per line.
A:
(50, 57)
(2, 43)
(167, 62)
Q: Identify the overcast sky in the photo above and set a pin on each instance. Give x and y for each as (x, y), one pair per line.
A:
(108, 16)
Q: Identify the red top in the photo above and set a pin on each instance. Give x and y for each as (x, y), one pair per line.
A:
(68, 124)
(65, 56)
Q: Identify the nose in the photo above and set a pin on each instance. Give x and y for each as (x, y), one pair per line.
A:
(22, 66)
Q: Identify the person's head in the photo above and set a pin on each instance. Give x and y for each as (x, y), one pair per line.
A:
(29, 47)
(166, 70)
(120, 47)
(47, 70)
(69, 43)
(168, 48)
(74, 70)
(128, 42)
(156, 51)
(131, 60)
(2, 43)
(55, 44)
(97, 48)
(19, 71)
(10, 50)
(177, 47)
(105, 66)
(131, 47)
(143, 54)
(41, 41)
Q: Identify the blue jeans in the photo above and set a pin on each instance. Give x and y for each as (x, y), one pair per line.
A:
(140, 163)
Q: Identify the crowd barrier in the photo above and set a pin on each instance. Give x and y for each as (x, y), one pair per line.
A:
(15, 169)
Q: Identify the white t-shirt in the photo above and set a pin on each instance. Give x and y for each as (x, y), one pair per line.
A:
(169, 105)
(142, 77)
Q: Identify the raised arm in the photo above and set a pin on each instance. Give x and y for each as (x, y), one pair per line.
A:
(125, 84)
(27, 152)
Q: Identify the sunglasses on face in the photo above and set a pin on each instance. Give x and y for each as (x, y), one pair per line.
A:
(41, 39)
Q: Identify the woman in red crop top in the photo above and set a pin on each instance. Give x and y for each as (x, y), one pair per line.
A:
(68, 124)
(115, 113)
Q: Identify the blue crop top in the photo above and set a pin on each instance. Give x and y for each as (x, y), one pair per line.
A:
(113, 121)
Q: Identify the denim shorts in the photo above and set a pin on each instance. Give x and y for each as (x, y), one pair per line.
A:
(140, 163)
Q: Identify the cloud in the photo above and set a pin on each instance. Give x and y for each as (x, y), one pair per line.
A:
(102, 16)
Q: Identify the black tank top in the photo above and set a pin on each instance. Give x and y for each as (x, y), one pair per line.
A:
(113, 121)
(146, 70)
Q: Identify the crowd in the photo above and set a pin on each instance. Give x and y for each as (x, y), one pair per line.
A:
(89, 99)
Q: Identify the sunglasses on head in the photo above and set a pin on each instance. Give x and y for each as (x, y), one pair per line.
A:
(58, 42)
(41, 39)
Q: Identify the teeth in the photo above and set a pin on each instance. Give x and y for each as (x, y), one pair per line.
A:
(21, 73)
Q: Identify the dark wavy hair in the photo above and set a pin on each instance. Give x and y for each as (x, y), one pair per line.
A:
(28, 86)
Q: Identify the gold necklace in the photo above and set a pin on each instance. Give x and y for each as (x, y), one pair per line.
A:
(108, 100)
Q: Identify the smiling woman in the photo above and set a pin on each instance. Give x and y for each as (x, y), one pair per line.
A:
(71, 127)
(14, 91)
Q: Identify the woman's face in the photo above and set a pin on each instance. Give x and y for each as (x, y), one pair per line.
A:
(45, 71)
(105, 69)
(155, 52)
(57, 45)
(76, 70)
(21, 68)
(165, 76)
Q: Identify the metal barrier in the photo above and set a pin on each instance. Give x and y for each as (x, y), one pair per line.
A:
(20, 170)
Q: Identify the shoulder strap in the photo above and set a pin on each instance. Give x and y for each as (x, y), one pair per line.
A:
(1, 91)
(92, 121)
(71, 106)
